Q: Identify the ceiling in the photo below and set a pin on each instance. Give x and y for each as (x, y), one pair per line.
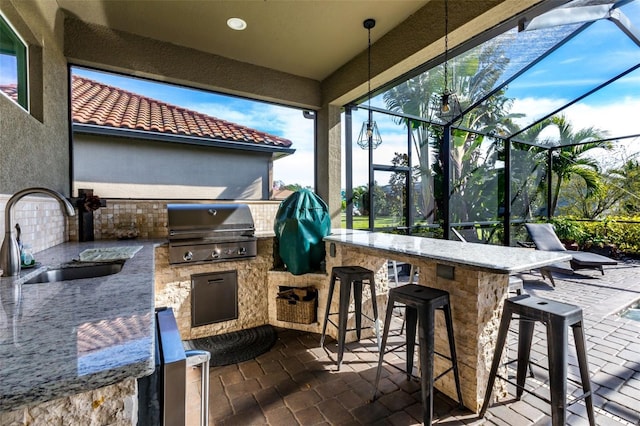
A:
(305, 38)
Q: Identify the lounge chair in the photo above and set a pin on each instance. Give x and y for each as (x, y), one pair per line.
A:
(545, 238)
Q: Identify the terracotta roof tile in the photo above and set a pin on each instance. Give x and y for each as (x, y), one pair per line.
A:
(95, 103)
(10, 90)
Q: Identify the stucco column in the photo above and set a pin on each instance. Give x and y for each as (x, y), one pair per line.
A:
(328, 160)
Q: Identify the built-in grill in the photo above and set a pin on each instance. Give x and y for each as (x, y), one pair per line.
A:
(210, 232)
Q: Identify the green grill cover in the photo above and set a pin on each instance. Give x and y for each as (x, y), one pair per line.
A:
(301, 223)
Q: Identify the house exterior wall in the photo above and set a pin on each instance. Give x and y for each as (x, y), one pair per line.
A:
(111, 167)
(34, 147)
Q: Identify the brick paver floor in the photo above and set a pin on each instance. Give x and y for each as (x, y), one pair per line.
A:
(296, 382)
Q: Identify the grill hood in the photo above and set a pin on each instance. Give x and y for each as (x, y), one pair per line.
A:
(192, 221)
(210, 233)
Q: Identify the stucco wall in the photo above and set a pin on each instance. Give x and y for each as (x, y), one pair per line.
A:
(34, 148)
(132, 168)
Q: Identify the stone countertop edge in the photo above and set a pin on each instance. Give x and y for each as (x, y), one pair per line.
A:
(486, 257)
(265, 234)
(61, 338)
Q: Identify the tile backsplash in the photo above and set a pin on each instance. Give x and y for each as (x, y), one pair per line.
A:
(149, 217)
(42, 222)
(44, 225)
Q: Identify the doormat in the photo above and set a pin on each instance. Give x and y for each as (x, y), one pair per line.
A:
(237, 346)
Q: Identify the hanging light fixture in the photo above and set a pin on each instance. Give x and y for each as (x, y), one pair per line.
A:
(369, 134)
(449, 107)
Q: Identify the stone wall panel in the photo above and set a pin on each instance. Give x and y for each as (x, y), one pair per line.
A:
(115, 405)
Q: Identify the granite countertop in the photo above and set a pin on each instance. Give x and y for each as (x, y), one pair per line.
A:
(491, 258)
(62, 338)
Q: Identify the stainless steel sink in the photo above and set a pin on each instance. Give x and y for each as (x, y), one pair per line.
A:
(76, 272)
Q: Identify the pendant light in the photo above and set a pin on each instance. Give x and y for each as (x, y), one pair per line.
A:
(369, 134)
(449, 107)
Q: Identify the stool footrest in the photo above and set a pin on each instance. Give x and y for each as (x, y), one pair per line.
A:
(350, 312)
(352, 329)
(548, 401)
(545, 399)
(402, 370)
(395, 348)
(443, 373)
(542, 367)
(447, 357)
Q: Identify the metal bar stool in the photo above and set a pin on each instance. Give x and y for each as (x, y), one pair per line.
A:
(557, 317)
(197, 357)
(421, 303)
(350, 276)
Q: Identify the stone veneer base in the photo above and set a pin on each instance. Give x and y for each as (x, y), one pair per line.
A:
(476, 301)
(115, 405)
(258, 285)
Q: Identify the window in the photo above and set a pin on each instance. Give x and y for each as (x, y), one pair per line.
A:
(13, 65)
(158, 140)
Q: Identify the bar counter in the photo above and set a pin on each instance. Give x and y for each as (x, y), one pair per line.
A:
(476, 277)
(59, 339)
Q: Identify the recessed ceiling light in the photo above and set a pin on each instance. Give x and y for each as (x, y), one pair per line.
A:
(236, 24)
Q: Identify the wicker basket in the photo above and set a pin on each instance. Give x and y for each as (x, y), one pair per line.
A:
(290, 309)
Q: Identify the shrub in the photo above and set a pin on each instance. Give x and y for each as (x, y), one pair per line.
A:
(622, 232)
(568, 230)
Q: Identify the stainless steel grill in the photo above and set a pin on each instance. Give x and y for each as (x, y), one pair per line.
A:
(210, 233)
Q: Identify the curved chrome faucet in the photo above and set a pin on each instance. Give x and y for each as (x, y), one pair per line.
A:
(9, 252)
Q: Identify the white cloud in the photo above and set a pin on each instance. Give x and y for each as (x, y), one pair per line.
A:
(296, 168)
(618, 119)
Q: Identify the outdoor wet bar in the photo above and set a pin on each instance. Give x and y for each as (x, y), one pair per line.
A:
(476, 277)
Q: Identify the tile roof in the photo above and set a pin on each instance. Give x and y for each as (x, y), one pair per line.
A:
(11, 90)
(99, 104)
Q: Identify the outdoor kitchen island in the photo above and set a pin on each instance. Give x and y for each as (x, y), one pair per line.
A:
(475, 275)
(73, 349)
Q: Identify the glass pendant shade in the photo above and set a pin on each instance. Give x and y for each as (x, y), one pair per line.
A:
(449, 107)
(369, 135)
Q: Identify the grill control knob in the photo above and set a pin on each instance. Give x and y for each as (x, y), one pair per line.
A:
(242, 250)
(215, 254)
(187, 256)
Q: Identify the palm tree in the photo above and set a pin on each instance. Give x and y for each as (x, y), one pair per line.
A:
(414, 97)
(569, 160)
(474, 74)
(625, 186)
(528, 170)
(473, 176)
(618, 193)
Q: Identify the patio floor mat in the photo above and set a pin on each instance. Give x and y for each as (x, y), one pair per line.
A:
(237, 346)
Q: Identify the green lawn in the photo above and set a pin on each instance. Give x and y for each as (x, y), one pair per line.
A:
(362, 222)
